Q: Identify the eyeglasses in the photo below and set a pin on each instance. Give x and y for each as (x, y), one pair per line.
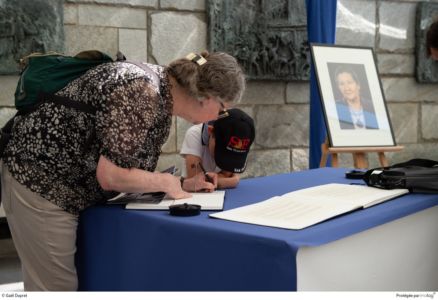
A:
(223, 113)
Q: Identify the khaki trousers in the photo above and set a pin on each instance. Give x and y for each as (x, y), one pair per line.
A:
(44, 236)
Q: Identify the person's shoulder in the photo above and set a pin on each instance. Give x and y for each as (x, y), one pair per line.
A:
(136, 68)
(157, 69)
(116, 72)
(131, 69)
(192, 143)
(194, 130)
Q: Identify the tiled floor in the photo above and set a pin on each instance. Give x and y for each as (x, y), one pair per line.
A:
(10, 269)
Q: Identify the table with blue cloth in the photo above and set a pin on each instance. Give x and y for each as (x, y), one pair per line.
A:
(130, 250)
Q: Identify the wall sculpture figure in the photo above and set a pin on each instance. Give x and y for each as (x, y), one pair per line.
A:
(426, 68)
(268, 37)
(28, 26)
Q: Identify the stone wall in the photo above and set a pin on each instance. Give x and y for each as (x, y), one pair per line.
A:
(158, 31)
(389, 28)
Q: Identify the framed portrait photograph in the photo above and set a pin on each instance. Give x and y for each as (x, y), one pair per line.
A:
(352, 97)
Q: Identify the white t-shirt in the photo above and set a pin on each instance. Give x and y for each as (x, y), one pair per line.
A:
(192, 145)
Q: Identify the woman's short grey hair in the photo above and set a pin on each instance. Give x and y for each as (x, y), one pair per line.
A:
(221, 76)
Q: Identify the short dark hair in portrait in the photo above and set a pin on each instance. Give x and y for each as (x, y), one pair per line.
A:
(358, 73)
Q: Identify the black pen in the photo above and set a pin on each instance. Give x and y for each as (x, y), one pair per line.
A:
(207, 177)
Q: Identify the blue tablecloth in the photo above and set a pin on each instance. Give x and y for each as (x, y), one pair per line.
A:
(129, 250)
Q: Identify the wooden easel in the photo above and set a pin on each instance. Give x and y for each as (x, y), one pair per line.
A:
(358, 153)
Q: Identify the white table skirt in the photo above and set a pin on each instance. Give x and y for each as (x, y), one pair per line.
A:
(401, 255)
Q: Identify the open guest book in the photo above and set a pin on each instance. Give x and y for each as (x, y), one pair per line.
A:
(306, 207)
(158, 200)
(153, 197)
(207, 201)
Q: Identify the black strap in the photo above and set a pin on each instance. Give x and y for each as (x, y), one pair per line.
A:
(89, 109)
(120, 56)
(420, 162)
(6, 135)
(46, 97)
(144, 67)
(8, 126)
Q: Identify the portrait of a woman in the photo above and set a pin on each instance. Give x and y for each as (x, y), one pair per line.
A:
(354, 111)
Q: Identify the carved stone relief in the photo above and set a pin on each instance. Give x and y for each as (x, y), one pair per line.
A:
(28, 26)
(268, 37)
(426, 68)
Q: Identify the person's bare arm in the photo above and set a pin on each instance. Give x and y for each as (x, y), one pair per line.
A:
(227, 180)
(192, 164)
(193, 169)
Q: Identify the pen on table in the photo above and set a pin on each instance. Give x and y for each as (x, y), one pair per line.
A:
(207, 177)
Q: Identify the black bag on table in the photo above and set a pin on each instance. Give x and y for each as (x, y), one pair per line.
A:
(418, 175)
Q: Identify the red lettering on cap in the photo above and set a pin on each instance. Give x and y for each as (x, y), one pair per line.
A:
(238, 143)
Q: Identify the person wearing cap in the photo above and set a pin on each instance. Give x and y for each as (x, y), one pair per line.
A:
(432, 41)
(220, 146)
(60, 161)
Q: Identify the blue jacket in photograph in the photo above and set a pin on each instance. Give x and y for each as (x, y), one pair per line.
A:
(345, 119)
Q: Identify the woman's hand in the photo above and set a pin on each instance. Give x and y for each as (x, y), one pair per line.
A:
(199, 182)
(173, 188)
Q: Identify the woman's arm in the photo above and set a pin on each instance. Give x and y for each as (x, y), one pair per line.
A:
(113, 178)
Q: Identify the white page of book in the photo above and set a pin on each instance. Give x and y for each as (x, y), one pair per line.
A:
(306, 207)
(356, 195)
(208, 201)
(118, 196)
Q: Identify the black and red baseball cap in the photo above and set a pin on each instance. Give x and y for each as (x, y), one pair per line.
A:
(234, 134)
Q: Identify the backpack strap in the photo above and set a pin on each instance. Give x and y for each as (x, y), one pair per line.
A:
(419, 162)
(46, 97)
(144, 67)
(6, 135)
(120, 57)
(43, 97)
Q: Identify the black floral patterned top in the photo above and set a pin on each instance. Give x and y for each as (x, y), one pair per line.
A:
(54, 150)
